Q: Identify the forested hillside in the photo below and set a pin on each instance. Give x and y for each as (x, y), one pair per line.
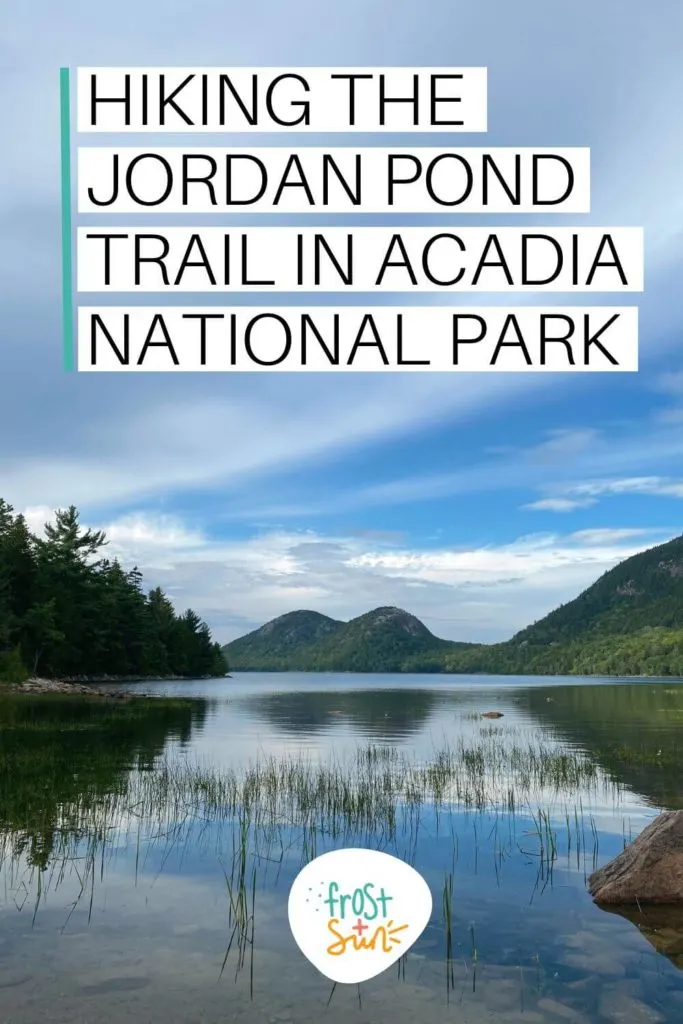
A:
(629, 622)
(66, 610)
(382, 640)
(275, 644)
(642, 592)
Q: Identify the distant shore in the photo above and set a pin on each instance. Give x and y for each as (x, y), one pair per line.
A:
(136, 679)
(482, 675)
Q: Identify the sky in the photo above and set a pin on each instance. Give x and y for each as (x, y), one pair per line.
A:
(476, 502)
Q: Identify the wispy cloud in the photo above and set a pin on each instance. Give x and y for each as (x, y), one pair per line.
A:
(559, 504)
(182, 435)
(186, 443)
(560, 467)
(605, 535)
(478, 593)
(587, 492)
(269, 446)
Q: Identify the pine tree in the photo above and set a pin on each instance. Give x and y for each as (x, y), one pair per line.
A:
(68, 611)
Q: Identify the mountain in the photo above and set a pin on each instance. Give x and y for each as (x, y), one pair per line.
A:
(644, 591)
(379, 641)
(629, 622)
(277, 643)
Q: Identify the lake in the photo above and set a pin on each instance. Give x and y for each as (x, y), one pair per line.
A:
(147, 848)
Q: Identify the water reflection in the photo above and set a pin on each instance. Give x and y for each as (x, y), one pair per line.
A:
(379, 715)
(61, 759)
(166, 889)
(662, 926)
(631, 729)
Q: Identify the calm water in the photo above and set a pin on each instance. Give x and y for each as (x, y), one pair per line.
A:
(115, 889)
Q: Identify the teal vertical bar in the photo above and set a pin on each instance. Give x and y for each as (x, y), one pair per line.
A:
(67, 263)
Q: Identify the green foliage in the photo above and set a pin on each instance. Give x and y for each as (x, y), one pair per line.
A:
(632, 730)
(652, 651)
(12, 668)
(281, 643)
(66, 611)
(628, 623)
(643, 591)
(383, 640)
(62, 758)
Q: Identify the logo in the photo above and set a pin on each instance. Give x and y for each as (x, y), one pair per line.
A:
(354, 913)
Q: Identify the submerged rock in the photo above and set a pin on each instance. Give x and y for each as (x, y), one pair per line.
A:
(650, 870)
(661, 925)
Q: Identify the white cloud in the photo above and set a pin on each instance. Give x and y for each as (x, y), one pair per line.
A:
(559, 504)
(650, 485)
(102, 442)
(78, 445)
(569, 497)
(563, 444)
(630, 485)
(563, 452)
(211, 441)
(479, 594)
(37, 516)
(507, 468)
(603, 536)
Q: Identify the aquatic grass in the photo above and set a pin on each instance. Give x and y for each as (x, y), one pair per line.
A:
(447, 907)
(474, 957)
(241, 913)
(262, 813)
(278, 806)
(509, 789)
(378, 792)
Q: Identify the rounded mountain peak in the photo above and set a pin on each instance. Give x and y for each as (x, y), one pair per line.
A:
(395, 618)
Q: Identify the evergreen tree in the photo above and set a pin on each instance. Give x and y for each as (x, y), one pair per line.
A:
(68, 611)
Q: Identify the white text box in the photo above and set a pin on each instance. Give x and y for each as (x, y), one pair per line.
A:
(322, 100)
(200, 259)
(290, 338)
(128, 179)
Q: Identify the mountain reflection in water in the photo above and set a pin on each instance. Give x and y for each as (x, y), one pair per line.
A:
(141, 842)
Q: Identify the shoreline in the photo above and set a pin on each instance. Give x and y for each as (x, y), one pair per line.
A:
(87, 686)
(97, 686)
(88, 680)
(37, 685)
(485, 675)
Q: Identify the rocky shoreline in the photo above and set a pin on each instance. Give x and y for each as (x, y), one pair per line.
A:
(87, 686)
(37, 685)
(89, 680)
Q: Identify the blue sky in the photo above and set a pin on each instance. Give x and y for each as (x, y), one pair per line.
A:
(476, 502)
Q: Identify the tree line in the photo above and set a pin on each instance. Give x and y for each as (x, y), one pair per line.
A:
(650, 651)
(647, 651)
(68, 611)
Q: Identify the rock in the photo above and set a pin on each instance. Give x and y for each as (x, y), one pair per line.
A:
(492, 714)
(36, 685)
(650, 870)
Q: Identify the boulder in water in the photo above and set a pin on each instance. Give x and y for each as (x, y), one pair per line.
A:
(650, 870)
